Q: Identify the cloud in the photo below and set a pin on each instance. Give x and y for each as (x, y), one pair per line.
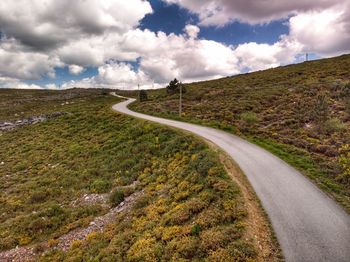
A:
(98, 49)
(49, 24)
(119, 74)
(37, 38)
(116, 76)
(321, 27)
(253, 56)
(164, 57)
(325, 32)
(75, 69)
(192, 31)
(7, 82)
(221, 12)
(17, 61)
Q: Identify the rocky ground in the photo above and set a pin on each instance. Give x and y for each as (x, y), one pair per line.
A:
(8, 126)
(64, 242)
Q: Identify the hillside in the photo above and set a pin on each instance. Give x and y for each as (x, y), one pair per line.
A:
(91, 184)
(299, 112)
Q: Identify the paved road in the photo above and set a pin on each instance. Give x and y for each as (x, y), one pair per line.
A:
(309, 225)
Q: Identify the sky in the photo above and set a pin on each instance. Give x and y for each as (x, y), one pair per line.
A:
(50, 44)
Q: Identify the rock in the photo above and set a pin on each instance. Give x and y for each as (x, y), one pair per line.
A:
(6, 126)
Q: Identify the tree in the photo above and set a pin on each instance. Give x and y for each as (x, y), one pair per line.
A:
(174, 87)
(143, 95)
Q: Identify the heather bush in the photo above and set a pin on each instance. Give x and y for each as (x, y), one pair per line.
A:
(249, 118)
(116, 197)
(334, 125)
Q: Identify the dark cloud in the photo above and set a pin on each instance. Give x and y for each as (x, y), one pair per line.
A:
(220, 12)
(45, 25)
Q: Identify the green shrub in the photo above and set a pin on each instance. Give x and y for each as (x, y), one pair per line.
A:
(242, 250)
(143, 96)
(347, 106)
(116, 197)
(100, 186)
(38, 197)
(217, 237)
(345, 92)
(38, 224)
(54, 210)
(334, 125)
(186, 247)
(321, 109)
(142, 201)
(196, 229)
(344, 161)
(249, 118)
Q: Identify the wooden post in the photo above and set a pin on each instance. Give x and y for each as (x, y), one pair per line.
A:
(138, 90)
(180, 102)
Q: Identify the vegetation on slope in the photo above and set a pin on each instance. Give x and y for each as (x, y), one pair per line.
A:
(299, 112)
(190, 208)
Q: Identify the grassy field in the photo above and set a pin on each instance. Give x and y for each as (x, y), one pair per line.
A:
(299, 112)
(190, 209)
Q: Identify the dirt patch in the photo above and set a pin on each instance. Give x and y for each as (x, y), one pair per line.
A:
(64, 242)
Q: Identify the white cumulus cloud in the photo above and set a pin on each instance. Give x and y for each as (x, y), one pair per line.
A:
(7, 82)
(325, 32)
(75, 69)
(40, 35)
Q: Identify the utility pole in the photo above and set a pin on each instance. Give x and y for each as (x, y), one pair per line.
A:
(138, 88)
(306, 57)
(180, 102)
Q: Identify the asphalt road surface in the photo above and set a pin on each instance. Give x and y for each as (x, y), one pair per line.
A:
(308, 224)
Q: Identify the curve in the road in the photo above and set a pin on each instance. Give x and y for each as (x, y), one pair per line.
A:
(308, 224)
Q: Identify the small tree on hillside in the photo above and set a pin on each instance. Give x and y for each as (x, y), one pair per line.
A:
(143, 95)
(174, 87)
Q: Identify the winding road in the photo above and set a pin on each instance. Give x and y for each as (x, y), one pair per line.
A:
(308, 224)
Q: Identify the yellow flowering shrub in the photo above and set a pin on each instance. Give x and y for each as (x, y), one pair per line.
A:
(25, 240)
(144, 249)
(190, 210)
